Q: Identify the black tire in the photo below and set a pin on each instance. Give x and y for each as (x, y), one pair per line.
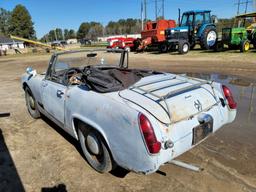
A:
(192, 45)
(101, 162)
(244, 46)
(233, 47)
(219, 46)
(136, 44)
(254, 40)
(205, 44)
(31, 104)
(163, 47)
(183, 47)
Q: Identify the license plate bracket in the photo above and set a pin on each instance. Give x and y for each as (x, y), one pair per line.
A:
(201, 131)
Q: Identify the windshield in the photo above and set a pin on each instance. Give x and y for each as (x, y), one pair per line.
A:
(81, 59)
(184, 20)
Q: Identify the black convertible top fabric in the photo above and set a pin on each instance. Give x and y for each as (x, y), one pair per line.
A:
(115, 79)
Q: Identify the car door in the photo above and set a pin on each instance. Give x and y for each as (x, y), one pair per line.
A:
(54, 99)
(54, 91)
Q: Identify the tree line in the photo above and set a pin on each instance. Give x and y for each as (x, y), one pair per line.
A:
(17, 22)
(92, 30)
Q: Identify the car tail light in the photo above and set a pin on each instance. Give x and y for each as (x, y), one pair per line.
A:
(153, 145)
(228, 95)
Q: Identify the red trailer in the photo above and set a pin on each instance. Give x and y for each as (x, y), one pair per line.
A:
(153, 33)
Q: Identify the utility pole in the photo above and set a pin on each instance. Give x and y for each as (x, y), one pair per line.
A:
(156, 9)
(145, 10)
(246, 6)
(55, 35)
(141, 15)
(242, 3)
(163, 8)
(159, 10)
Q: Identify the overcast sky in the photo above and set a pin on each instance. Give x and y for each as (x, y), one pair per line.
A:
(50, 14)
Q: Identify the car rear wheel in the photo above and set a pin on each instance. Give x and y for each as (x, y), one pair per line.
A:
(95, 149)
(31, 104)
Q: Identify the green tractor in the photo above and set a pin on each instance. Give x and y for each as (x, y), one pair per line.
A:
(240, 37)
(251, 29)
(236, 38)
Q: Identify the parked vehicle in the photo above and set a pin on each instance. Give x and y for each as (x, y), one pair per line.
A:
(236, 38)
(137, 119)
(251, 29)
(120, 43)
(153, 34)
(196, 27)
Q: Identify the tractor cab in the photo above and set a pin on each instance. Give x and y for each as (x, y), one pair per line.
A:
(194, 20)
(196, 26)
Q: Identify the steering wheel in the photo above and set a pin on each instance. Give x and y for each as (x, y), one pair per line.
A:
(69, 73)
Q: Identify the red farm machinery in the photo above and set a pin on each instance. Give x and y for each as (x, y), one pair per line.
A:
(153, 34)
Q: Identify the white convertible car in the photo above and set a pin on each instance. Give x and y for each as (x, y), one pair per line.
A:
(136, 119)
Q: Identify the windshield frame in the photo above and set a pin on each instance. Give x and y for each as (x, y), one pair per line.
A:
(123, 62)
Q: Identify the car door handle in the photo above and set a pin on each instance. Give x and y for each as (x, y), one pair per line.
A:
(60, 93)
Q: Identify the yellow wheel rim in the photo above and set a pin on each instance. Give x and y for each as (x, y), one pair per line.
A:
(246, 46)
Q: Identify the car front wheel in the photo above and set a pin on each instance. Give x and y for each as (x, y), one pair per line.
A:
(31, 104)
(95, 149)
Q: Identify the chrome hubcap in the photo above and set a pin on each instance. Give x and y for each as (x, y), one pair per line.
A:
(31, 102)
(93, 144)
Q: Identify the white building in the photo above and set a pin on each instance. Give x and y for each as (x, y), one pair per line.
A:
(7, 43)
(72, 41)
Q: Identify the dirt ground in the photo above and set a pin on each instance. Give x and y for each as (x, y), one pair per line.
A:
(36, 155)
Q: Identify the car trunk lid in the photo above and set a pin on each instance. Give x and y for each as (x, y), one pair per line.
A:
(170, 98)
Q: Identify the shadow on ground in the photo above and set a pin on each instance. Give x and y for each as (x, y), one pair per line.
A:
(9, 177)
(117, 172)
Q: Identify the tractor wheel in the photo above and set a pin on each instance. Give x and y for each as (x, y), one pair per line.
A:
(245, 46)
(183, 47)
(208, 38)
(192, 45)
(254, 40)
(163, 47)
(136, 44)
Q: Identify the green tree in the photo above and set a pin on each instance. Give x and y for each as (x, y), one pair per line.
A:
(66, 34)
(83, 30)
(4, 21)
(71, 34)
(21, 23)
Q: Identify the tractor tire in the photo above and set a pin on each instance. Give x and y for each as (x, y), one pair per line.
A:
(254, 40)
(219, 46)
(183, 47)
(136, 44)
(163, 47)
(209, 38)
(244, 46)
(192, 45)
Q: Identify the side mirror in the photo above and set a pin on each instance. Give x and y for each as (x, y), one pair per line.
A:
(214, 19)
(31, 72)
